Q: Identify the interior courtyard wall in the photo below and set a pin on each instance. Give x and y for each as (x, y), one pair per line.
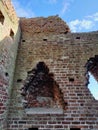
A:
(9, 37)
(66, 56)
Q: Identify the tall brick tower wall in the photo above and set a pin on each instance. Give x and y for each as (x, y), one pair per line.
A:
(46, 87)
(66, 55)
(9, 37)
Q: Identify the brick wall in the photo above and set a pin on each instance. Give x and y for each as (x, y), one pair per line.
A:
(9, 37)
(65, 54)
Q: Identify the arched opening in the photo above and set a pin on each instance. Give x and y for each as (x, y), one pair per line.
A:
(92, 75)
(11, 34)
(41, 90)
(1, 18)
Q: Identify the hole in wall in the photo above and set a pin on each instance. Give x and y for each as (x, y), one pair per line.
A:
(75, 129)
(19, 80)
(71, 79)
(66, 103)
(33, 129)
(1, 18)
(82, 104)
(11, 34)
(23, 40)
(92, 75)
(6, 74)
(44, 39)
(77, 37)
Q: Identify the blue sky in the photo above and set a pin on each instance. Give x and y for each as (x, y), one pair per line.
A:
(93, 86)
(80, 15)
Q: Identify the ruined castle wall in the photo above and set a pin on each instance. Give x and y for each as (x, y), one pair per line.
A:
(65, 55)
(9, 38)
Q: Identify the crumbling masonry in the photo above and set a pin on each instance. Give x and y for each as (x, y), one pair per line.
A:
(44, 74)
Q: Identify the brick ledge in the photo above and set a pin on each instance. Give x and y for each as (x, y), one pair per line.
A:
(39, 110)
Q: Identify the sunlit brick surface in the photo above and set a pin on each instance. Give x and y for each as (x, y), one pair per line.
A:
(65, 53)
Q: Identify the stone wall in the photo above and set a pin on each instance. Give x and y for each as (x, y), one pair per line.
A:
(65, 54)
(9, 37)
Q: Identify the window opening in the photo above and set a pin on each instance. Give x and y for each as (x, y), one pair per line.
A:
(11, 34)
(93, 86)
(1, 18)
(92, 75)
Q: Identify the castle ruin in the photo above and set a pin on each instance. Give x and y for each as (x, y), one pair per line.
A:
(44, 74)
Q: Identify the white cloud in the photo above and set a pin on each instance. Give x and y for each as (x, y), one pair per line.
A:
(22, 12)
(94, 16)
(86, 24)
(78, 25)
(73, 25)
(64, 7)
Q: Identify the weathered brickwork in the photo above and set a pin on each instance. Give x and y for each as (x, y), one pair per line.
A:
(8, 51)
(52, 24)
(68, 56)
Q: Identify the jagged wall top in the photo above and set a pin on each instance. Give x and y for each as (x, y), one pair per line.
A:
(52, 24)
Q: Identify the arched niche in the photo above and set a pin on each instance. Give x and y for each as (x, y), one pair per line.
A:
(1, 18)
(40, 90)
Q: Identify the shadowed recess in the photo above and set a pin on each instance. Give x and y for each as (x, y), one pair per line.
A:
(41, 90)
